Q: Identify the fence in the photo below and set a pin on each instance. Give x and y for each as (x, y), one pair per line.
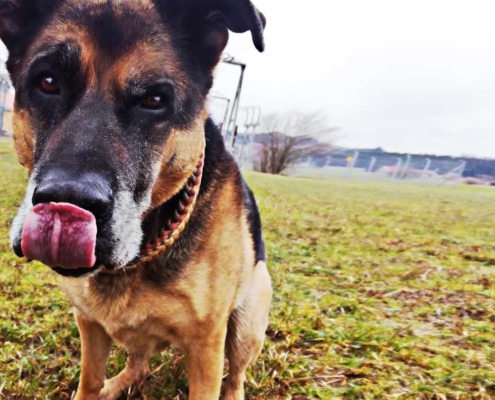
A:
(348, 164)
(385, 167)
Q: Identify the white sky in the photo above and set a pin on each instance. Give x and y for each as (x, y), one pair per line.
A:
(412, 76)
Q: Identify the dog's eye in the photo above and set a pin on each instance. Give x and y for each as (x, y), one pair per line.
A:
(48, 84)
(154, 103)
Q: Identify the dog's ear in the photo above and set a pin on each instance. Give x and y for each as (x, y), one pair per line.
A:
(10, 20)
(239, 16)
(208, 22)
(20, 18)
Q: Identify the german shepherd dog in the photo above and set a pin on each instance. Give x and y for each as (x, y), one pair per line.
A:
(132, 197)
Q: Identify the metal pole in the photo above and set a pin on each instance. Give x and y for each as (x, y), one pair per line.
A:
(247, 124)
(372, 164)
(237, 99)
(406, 166)
(461, 172)
(427, 166)
(221, 97)
(225, 118)
(369, 170)
(235, 107)
(252, 122)
(355, 158)
(425, 169)
(352, 164)
(4, 86)
(397, 167)
(256, 123)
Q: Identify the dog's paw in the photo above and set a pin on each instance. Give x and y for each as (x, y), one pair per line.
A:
(112, 389)
(233, 393)
(80, 395)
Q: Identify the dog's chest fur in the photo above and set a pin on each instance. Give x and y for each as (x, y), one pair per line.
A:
(141, 316)
(137, 316)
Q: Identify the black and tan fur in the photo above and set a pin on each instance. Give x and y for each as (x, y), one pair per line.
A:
(210, 293)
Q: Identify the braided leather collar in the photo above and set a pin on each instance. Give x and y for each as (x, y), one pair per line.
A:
(174, 227)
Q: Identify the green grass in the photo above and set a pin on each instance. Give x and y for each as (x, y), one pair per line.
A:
(382, 291)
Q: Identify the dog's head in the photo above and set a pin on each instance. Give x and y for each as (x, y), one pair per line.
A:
(109, 115)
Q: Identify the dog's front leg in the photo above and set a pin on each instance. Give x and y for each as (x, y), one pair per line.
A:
(204, 363)
(136, 371)
(95, 350)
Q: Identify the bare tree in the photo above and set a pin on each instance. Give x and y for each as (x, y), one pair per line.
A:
(292, 136)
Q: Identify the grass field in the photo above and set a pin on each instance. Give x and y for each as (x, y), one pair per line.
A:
(381, 292)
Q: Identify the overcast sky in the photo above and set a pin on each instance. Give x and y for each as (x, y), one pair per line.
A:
(412, 76)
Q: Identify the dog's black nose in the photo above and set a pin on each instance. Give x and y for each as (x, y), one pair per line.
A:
(91, 192)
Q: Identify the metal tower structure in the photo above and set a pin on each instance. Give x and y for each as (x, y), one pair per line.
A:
(4, 89)
(253, 120)
(232, 125)
(5, 86)
(221, 97)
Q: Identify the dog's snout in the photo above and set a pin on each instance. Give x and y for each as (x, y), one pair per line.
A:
(91, 192)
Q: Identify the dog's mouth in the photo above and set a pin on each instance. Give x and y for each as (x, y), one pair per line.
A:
(66, 238)
(74, 242)
(60, 235)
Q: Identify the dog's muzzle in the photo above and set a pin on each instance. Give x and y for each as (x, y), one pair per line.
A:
(61, 229)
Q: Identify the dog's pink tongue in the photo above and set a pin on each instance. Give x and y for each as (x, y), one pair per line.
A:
(60, 235)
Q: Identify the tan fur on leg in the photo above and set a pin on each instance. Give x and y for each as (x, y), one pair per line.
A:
(246, 332)
(136, 371)
(96, 345)
(204, 364)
